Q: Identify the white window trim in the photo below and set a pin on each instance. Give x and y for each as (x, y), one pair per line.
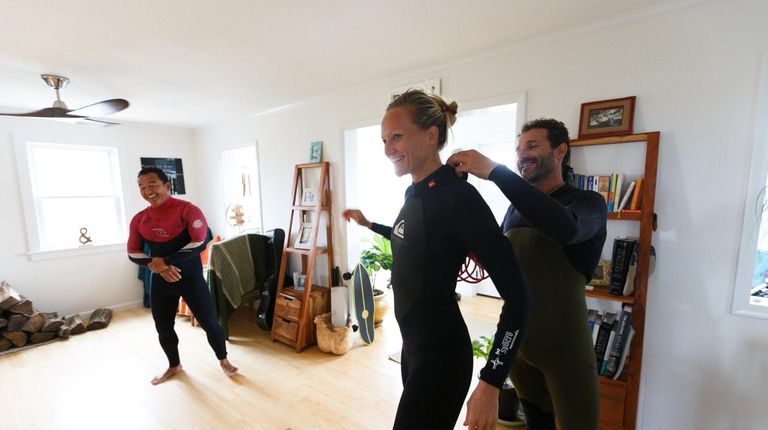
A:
(750, 227)
(29, 204)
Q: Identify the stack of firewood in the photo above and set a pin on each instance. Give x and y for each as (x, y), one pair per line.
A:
(21, 325)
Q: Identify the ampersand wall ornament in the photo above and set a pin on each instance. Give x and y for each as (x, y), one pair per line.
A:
(83, 238)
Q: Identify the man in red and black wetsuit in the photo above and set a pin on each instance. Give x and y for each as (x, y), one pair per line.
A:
(175, 232)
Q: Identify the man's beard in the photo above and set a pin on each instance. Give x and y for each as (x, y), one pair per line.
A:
(543, 167)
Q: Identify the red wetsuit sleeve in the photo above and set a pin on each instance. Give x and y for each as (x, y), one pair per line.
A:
(197, 228)
(136, 243)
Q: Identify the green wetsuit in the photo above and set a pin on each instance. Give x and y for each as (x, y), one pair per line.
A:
(558, 239)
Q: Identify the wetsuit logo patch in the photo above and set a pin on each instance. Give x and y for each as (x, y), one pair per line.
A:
(399, 230)
(495, 362)
(197, 223)
(160, 232)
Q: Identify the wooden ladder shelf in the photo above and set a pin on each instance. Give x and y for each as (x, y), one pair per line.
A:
(295, 309)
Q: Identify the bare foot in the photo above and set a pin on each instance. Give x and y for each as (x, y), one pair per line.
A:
(167, 375)
(228, 368)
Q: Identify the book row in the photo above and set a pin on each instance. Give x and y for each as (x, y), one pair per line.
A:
(618, 275)
(618, 195)
(612, 334)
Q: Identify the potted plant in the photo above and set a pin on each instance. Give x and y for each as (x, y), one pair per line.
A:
(375, 259)
(509, 403)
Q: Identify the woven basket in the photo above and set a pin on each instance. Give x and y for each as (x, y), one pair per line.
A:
(337, 340)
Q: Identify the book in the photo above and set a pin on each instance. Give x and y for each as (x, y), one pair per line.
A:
(624, 353)
(617, 347)
(637, 197)
(617, 194)
(629, 283)
(608, 346)
(622, 252)
(591, 315)
(611, 191)
(627, 195)
(603, 336)
(603, 185)
(596, 326)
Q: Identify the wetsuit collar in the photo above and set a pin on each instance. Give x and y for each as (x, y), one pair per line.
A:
(439, 177)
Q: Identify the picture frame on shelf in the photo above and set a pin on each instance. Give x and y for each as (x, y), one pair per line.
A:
(602, 274)
(603, 118)
(309, 197)
(299, 280)
(303, 238)
(316, 151)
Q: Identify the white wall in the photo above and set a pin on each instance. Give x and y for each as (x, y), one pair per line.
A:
(694, 72)
(81, 283)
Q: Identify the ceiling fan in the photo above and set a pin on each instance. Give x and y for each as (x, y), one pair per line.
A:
(83, 115)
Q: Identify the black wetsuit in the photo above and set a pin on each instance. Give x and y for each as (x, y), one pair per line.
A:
(176, 230)
(558, 239)
(442, 220)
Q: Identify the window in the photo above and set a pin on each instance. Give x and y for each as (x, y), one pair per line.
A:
(72, 196)
(750, 294)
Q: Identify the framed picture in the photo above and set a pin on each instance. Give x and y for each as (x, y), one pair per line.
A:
(602, 275)
(607, 118)
(299, 279)
(303, 238)
(309, 197)
(315, 151)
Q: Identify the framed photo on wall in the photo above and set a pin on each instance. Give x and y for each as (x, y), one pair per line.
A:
(316, 151)
(607, 118)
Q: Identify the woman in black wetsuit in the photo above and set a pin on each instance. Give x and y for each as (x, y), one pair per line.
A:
(442, 220)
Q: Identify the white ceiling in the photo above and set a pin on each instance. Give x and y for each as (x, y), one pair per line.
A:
(192, 62)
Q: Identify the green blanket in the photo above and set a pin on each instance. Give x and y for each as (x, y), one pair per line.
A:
(237, 267)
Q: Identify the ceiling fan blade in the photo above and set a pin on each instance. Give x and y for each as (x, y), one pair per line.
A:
(51, 112)
(102, 108)
(90, 122)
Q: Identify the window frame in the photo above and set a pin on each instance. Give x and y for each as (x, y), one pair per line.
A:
(31, 202)
(758, 176)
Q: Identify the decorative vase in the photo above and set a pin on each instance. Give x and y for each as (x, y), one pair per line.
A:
(380, 306)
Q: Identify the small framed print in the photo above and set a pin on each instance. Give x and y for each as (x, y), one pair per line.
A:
(304, 237)
(607, 118)
(309, 197)
(299, 279)
(316, 151)
(602, 275)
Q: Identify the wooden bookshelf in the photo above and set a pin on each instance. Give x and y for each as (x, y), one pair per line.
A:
(295, 309)
(619, 398)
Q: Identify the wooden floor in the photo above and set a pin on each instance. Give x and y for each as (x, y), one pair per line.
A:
(100, 380)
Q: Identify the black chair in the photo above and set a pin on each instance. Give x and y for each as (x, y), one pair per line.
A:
(266, 309)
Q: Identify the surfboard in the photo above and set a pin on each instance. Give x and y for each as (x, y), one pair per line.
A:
(363, 295)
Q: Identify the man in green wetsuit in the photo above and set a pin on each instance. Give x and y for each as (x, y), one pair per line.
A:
(558, 233)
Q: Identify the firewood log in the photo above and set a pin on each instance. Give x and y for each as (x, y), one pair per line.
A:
(19, 338)
(41, 336)
(3, 322)
(5, 344)
(8, 296)
(23, 307)
(35, 323)
(75, 324)
(17, 322)
(64, 332)
(52, 325)
(99, 319)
